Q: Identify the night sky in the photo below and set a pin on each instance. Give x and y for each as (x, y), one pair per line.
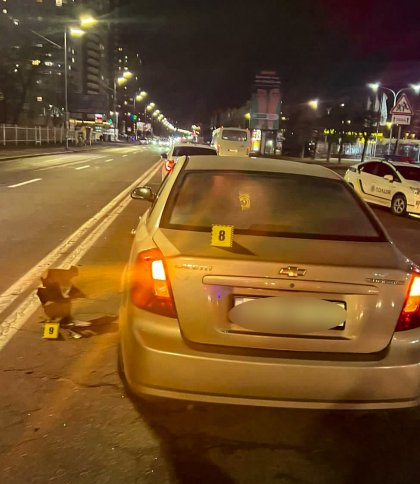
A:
(199, 57)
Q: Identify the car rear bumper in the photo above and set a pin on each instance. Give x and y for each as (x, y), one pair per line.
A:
(159, 362)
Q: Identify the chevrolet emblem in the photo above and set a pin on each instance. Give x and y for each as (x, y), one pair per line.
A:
(292, 271)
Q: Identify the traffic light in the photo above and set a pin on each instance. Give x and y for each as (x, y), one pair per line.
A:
(134, 117)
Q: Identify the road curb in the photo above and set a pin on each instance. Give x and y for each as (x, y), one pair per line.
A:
(48, 153)
(33, 155)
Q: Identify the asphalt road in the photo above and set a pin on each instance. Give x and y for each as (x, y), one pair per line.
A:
(64, 414)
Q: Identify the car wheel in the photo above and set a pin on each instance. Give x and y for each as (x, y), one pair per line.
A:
(399, 204)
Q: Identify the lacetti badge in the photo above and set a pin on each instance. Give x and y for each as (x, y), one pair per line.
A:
(292, 271)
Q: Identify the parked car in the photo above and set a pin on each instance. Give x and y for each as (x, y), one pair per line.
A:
(183, 149)
(403, 158)
(390, 184)
(240, 290)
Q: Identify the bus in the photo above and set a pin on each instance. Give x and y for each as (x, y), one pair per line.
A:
(231, 141)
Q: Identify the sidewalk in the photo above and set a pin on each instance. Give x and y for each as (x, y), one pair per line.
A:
(13, 153)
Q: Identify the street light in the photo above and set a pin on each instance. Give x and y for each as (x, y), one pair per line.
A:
(119, 81)
(415, 88)
(137, 97)
(313, 103)
(74, 32)
(87, 21)
(127, 74)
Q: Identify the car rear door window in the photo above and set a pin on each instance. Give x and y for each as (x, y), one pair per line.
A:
(192, 151)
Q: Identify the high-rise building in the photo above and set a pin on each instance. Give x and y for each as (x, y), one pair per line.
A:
(39, 44)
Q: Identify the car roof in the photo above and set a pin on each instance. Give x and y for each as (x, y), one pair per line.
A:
(403, 163)
(199, 145)
(243, 163)
(236, 128)
(396, 164)
(192, 145)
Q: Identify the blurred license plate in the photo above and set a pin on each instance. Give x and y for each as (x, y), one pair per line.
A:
(241, 300)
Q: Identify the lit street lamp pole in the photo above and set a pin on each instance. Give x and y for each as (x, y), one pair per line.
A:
(117, 81)
(137, 97)
(76, 32)
(66, 97)
(375, 86)
(66, 104)
(115, 110)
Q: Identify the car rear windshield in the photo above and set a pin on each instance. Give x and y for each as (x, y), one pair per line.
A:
(410, 172)
(192, 150)
(259, 203)
(234, 135)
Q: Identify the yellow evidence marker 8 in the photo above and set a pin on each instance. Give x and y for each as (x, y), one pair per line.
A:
(222, 235)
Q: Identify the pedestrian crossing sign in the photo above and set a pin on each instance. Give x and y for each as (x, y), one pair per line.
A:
(402, 106)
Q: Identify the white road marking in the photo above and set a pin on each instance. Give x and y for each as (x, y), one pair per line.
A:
(124, 156)
(82, 167)
(110, 159)
(64, 165)
(50, 167)
(25, 183)
(72, 249)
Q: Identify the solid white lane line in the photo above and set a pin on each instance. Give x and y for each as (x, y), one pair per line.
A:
(12, 324)
(82, 167)
(70, 164)
(25, 183)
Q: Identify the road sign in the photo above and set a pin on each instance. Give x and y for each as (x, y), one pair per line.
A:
(266, 116)
(403, 106)
(400, 119)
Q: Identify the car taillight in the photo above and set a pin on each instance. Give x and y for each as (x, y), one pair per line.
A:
(410, 314)
(169, 164)
(150, 285)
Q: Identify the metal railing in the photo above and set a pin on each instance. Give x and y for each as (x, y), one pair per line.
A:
(11, 134)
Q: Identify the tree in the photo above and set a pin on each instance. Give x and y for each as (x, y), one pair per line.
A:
(367, 122)
(335, 127)
(302, 126)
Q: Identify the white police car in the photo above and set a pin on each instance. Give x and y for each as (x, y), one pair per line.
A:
(390, 184)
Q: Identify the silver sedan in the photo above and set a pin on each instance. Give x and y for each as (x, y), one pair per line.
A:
(266, 282)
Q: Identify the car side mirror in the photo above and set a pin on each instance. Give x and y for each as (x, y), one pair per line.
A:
(143, 193)
(164, 155)
(390, 178)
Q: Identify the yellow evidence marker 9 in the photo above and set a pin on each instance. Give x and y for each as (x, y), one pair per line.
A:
(222, 235)
(51, 330)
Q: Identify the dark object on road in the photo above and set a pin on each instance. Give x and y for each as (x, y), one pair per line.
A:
(58, 292)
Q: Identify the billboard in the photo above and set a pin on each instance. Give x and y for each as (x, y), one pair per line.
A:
(266, 101)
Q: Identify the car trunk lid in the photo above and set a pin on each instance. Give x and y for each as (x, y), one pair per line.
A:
(368, 280)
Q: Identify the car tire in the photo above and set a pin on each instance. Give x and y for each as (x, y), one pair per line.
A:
(399, 204)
